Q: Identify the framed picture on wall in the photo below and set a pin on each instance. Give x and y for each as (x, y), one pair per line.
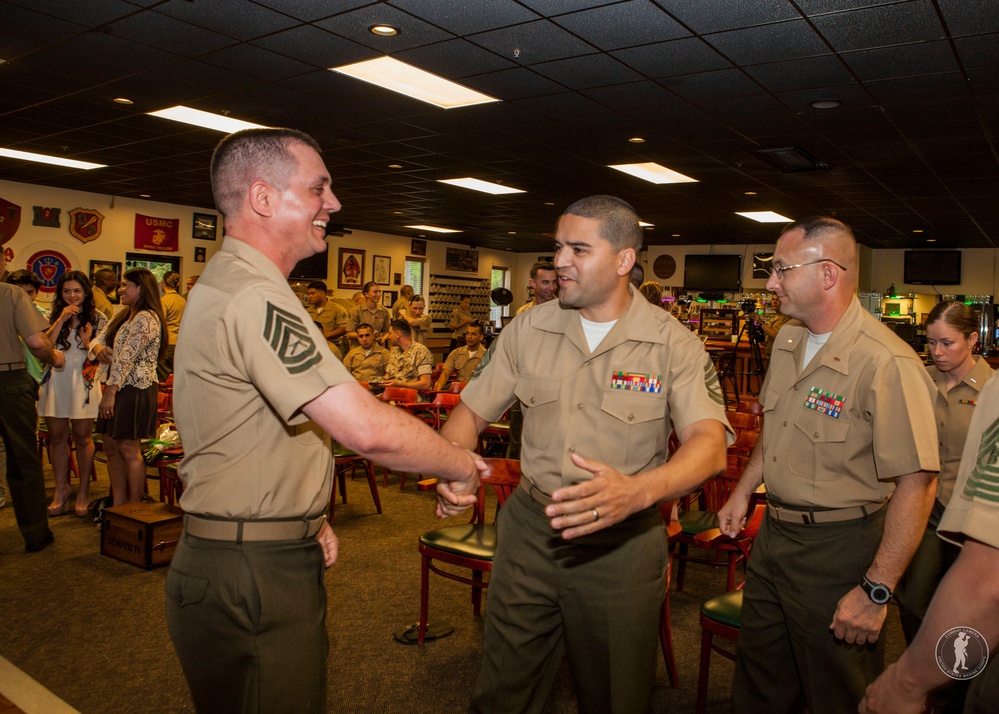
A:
(418, 247)
(158, 264)
(112, 265)
(205, 226)
(762, 263)
(381, 269)
(350, 269)
(389, 297)
(466, 261)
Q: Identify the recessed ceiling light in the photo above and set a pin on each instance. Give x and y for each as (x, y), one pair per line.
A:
(395, 166)
(396, 213)
(549, 203)
(123, 100)
(643, 224)
(931, 240)
(764, 216)
(479, 185)
(144, 195)
(512, 233)
(653, 173)
(413, 82)
(917, 230)
(435, 229)
(826, 104)
(383, 30)
(637, 140)
(46, 159)
(750, 193)
(676, 235)
(206, 120)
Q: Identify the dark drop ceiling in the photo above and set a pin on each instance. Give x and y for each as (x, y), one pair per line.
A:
(706, 83)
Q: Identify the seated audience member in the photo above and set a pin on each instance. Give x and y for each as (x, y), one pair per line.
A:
(370, 311)
(367, 361)
(409, 363)
(652, 291)
(465, 359)
(413, 314)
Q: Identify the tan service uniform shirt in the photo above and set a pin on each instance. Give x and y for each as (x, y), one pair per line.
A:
(398, 307)
(173, 311)
(457, 315)
(463, 362)
(102, 303)
(20, 320)
(366, 366)
(953, 411)
(330, 316)
(247, 362)
(378, 319)
(616, 404)
(973, 511)
(837, 433)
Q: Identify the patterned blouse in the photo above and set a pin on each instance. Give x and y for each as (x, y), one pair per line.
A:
(136, 348)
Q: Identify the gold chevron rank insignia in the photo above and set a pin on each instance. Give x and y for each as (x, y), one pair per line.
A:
(289, 337)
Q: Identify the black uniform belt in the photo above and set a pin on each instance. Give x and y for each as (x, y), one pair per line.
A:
(534, 492)
(11, 366)
(239, 530)
(809, 514)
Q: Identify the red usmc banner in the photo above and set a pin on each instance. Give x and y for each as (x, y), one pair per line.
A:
(162, 234)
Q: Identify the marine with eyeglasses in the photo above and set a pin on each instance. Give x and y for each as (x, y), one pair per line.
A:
(848, 422)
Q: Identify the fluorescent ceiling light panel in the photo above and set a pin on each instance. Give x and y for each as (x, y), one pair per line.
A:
(206, 120)
(435, 229)
(414, 82)
(765, 217)
(653, 173)
(45, 159)
(643, 224)
(480, 185)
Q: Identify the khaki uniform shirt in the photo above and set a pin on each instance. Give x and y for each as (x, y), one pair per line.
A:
(173, 311)
(378, 319)
(464, 362)
(102, 303)
(366, 366)
(400, 306)
(420, 331)
(18, 319)
(837, 433)
(953, 411)
(248, 360)
(973, 511)
(616, 405)
(457, 315)
(330, 316)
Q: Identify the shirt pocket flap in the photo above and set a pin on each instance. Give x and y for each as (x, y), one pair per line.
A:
(823, 429)
(537, 391)
(631, 407)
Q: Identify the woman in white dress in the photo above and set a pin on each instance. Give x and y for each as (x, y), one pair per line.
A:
(70, 396)
(134, 341)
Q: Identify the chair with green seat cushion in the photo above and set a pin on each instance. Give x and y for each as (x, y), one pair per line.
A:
(471, 545)
(346, 460)
(720, 616)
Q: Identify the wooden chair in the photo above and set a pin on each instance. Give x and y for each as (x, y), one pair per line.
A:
(750, 407)
(744, 443)
(715, 492)
(743, 421)
(470, 546)
(435, 412)
(346, 460)
(665, 626)
(399, 395)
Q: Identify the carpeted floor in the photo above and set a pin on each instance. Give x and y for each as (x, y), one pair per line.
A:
(92, 629)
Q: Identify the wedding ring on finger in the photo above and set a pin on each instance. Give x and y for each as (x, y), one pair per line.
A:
(596, 516)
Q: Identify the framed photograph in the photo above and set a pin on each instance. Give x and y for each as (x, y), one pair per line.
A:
(205, 226)
(158, 264)
(397, 279)
(199, 255)
(350, 269)
(418, 247)
(389, 297)
(462, 260)
(381, 269)
(762, 263)
(112, 265)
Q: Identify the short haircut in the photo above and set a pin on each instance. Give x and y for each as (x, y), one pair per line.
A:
(105, 277)
(618, 220)
(171, 279)
(402, 326)
(955, 314)
(819, 227)
(406, 291)
(368, 285)
(317, 285)
(541, 265)
(25, 277)
(476, 325)
(250, 155)
(364, 326)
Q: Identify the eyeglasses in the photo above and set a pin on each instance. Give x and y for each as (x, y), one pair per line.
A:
(779, 271)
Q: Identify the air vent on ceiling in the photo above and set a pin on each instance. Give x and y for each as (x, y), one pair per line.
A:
(790, 159)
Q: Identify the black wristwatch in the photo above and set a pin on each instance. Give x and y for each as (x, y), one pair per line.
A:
(877, 592)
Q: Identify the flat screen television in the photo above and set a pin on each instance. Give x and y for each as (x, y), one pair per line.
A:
(315, 267)
(932, 267)
(719, 273)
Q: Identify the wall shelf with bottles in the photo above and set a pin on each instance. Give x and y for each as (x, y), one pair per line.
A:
(445, 294)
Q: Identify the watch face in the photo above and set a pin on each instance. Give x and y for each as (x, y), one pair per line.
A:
(878, 593)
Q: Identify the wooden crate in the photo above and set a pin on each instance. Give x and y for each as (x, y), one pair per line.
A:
(143, 534)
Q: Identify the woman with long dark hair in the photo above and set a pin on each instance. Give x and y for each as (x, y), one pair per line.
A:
(127, 413)
(67, 396)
